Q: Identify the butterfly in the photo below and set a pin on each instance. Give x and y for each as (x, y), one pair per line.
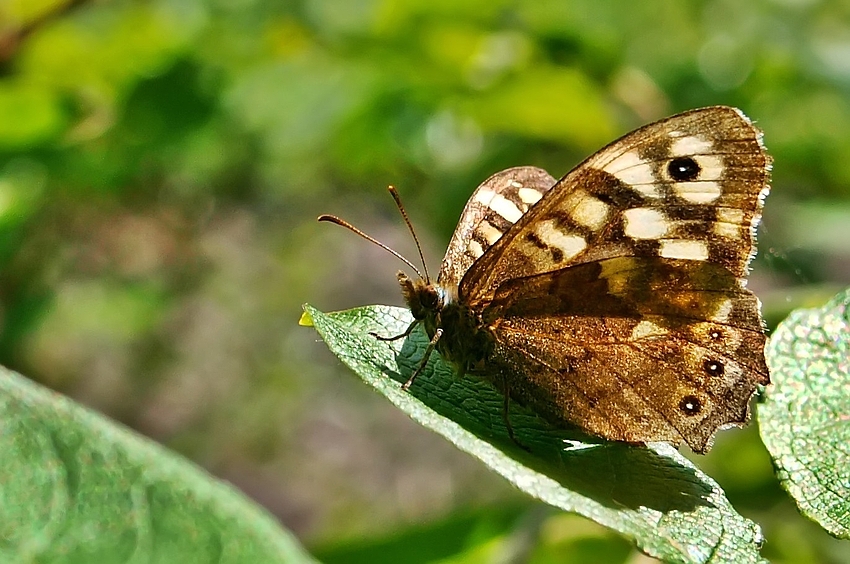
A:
(613, 299)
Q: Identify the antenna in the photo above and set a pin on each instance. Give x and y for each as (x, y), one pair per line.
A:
(394, 194)
(343, 223)
(400, 207)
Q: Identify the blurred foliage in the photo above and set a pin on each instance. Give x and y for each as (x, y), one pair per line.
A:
(78, 488)
(162, 163)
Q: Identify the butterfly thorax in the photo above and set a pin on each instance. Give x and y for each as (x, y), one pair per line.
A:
(464, 341)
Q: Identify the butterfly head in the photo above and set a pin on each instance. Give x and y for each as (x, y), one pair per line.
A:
(423, 297)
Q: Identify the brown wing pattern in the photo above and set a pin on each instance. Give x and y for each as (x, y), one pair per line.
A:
(491, 210)
(688, 187)
(638, 349)
(618, 301)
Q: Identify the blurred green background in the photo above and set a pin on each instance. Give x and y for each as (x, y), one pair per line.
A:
(162, 164)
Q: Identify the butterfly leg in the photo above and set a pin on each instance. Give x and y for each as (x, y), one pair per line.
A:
(506, 415)
(437, 334)
(406, 333)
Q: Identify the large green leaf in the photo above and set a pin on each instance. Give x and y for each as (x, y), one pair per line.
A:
(77, 488)
(805, 420)
(652, 495)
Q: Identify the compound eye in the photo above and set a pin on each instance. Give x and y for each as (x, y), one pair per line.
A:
(429, 298)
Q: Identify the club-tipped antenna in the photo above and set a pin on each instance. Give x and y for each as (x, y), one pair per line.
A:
(394, 194)
(343, 223)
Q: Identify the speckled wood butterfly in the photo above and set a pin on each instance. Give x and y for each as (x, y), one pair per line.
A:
(614, 299)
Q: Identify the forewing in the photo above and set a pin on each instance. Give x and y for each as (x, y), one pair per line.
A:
(491, 210)
(688, 187)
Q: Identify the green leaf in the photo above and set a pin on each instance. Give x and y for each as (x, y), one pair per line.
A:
(423, 543)
(652, 495)
(557, 103)
(805, 419)
(28, 115)
(77, 488)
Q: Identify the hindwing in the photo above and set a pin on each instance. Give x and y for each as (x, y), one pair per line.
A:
(493, 208)
(634, 349)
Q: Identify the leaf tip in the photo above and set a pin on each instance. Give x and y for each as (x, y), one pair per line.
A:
(306, 320)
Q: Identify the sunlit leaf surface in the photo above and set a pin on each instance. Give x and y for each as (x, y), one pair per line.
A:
(805, 420)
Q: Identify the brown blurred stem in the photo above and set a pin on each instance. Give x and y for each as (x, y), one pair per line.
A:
(12, 38)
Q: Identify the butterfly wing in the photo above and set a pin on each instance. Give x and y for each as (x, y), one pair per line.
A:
(618, 301)
(491, 210)
(687, 187)
(633, 349)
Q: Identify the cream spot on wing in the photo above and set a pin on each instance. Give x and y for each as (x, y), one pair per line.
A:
(616, 266)
(689, 146)
(646, 329)
(529, 195)
(474, 248)
(644, 223)
(588, 210)
(570, 245)
(697, 192)
(721, 315)
(730, 215)
(729, 223)
(728, 230)
(617, 276)
(499, 204)
(694, 358)
(732, 372)
(616, 272)
(618, 285)
(630, 160)
(683, 249)
(732, 340)
(647, 190)
(516, 184)
(489, 232)
(631, 169)
(711, 166)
